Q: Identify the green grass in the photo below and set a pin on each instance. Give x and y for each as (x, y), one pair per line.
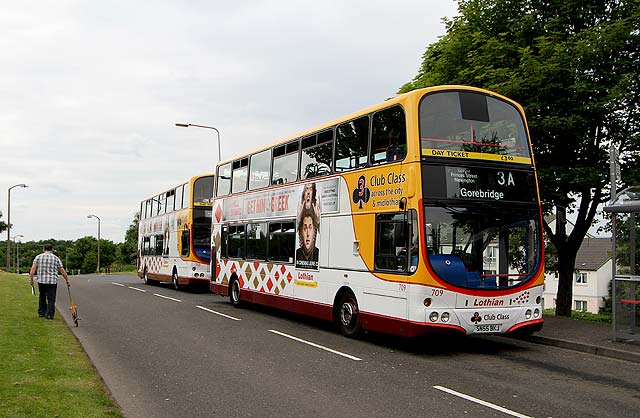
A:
(583, 316)
(44, 371)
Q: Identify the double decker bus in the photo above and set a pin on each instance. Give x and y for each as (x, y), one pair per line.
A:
(416, 215)
(174, 234)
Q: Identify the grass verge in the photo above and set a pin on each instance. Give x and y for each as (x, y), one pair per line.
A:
(583, 316)
(45, 372)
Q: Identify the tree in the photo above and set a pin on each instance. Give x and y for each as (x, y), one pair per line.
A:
(3, 225)
(128, 250)
(575, 67)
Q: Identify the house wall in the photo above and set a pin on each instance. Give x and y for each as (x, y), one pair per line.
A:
(593, 292)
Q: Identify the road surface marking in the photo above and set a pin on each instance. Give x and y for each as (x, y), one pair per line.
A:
(118, 284)
(167, 297)
(135, 288)
(315, 345)
(217, 313)
(481, 402)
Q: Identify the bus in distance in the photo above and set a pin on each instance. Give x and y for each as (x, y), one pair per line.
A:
(416, 215)
(174, 234)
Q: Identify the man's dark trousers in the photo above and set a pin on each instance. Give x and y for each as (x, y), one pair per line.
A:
(47, 299)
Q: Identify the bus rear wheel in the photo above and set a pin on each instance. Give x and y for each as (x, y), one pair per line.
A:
(146, 278)
(348, 318)
(234, 293)
(174, 279)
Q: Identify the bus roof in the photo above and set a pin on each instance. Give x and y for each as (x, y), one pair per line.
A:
(387, 103)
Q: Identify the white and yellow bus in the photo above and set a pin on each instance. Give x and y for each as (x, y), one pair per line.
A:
(174, 234)
(416, 215)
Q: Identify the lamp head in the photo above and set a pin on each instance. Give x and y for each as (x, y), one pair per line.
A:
(182, 125)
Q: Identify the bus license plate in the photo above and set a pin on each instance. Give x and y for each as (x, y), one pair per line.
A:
(488, 328)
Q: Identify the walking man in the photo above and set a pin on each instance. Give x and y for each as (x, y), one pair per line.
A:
(47, 266)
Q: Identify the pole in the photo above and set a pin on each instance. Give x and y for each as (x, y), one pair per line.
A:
(18, 257)
(98, 245)
(186, 125)
(9, 229)
(9, 224)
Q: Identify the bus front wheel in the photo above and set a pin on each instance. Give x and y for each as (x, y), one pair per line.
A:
(234, 293)
(348, 316)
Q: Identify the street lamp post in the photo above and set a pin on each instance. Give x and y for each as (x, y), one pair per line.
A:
(94, 216)
(17, 252)
(186, 125)
(9, 223)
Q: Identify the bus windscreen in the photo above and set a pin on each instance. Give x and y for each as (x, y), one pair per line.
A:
(470, 122)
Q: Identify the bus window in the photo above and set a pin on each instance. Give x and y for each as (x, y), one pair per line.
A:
(257, 241)
(179, 197)
(224, 180)
(171, 198)
(317, 155)
(471, 122)
(282, 241)
(235, 241)
(186, 196)
(159, 204)
(146, 245)
(185, 241)
(388, 136)
(259, 170)
(159, 249)
(239, 174)
(396, 246)
(467, 236)
(202, 232)
(285, 163)
(352, 140)
(203, 190)
(223, 241)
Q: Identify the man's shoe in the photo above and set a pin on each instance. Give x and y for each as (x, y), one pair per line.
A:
(41, 315)
(48, 318)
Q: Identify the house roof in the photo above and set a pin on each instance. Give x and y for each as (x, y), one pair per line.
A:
(593, 253)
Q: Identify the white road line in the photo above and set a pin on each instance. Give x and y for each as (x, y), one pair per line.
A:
(135, 288)
(315, 345)
(118, 284)
(481, 402)
(217, 313)
(166, 297)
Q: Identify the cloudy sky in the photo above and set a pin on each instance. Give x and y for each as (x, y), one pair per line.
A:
(90, 92)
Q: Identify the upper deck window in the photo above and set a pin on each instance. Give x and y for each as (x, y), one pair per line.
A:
(285, 163)
(317, 154)
(224, 180)
(239, 175)
(471, 122)
(259, 170)
(203, 191)
(389, 136)
(352, 142)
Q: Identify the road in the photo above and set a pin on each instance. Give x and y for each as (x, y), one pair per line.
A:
(165, 353)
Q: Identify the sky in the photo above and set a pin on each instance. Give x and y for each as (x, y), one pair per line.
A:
(90, 92)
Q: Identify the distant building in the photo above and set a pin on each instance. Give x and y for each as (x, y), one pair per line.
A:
(591, 277)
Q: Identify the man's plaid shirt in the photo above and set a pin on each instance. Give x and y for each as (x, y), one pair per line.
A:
(48, 265)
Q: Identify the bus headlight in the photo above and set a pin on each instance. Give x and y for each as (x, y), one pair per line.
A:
(527, 314)
(427, 302)
(445, 317)
(433, 316)
(536, 312)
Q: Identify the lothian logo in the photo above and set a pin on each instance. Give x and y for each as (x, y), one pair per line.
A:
(476, 318)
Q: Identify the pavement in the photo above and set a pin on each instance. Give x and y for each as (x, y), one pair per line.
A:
(585, 336)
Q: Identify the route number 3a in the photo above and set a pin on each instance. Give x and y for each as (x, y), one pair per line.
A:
(505, 179)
